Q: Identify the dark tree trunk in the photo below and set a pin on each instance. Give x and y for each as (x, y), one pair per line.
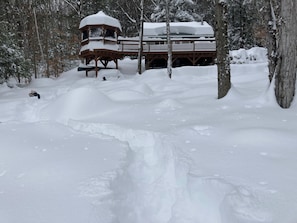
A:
(169, 60)
(286, 67)
(140, 50)
(272, 41)
(223, 60)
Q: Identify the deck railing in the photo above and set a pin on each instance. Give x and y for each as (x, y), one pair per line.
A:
(132, 46)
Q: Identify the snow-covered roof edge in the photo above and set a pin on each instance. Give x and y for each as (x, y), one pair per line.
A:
(100, 18)
(190, 28)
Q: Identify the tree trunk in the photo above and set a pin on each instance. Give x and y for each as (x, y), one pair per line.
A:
(222, 46)
(169, 60)
(38, 38)
(286, 67)
(271, 8)
(46, 43)
(140, 50)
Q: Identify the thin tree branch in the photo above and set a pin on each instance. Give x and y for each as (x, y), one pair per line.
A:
(130, 18)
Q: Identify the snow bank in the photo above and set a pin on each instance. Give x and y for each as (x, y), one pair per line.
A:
(78, 103)
(139, 92)
(253, 55)
(46, 173)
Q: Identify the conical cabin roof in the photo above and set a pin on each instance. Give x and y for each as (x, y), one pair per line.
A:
(100, 18)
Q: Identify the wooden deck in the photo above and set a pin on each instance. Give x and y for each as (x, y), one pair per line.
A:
(160, 46)
(185, 52)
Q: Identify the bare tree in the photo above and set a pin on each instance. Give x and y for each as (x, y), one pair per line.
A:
(140, 50)
(223, 60)
(286, 63)
(169, 60)
(271, 14)
(77, 6)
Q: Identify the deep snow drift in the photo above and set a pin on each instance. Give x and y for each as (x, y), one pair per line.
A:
(149, 149)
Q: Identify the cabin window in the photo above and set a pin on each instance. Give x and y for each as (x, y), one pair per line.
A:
(96, 32)
(159, 43)
(85, 34)
(110, 33)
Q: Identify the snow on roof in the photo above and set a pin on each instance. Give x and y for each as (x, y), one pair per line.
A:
(188, 28)
(97, 45)
(100, 18)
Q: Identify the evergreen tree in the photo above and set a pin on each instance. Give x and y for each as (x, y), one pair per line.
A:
(242, 20)
(205, 9)
(179, 11)
(92, 7)
(12, 61)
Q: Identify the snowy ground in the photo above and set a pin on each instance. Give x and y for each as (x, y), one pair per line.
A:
(146, 149)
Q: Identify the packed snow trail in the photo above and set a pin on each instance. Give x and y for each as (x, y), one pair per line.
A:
(155, 184)
(145, 190)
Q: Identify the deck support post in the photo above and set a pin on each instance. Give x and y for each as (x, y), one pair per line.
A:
(104, 62)
(86, 65)
(96, 66)
(116, 63)
(147, 63)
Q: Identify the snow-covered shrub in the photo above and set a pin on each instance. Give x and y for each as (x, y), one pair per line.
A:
(253, 55)
(13, 64)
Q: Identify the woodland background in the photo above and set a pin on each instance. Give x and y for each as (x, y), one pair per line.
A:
(41, 37)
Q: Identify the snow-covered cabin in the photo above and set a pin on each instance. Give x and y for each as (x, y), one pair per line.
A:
(99, 39)
(178, 30)
(193, 43)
